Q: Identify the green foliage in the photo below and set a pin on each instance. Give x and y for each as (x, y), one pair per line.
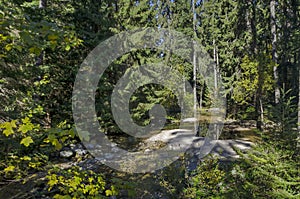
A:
(246, 85)
(42, 49)
(59, 135)
(121, 184)
(17, 167)
(284, 114)
(207, 181)
(25, 146)
(265, 172)
(173, 178)
(23, 130)
(78, 183)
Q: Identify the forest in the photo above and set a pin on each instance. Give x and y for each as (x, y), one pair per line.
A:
(244, 110)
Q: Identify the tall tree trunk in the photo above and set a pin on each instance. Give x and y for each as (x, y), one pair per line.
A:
(285, 38)
(258, 96)
(298, 121)
(274, 50)
(253, 28)
(258, 101)
(194, 69)
(216, 65)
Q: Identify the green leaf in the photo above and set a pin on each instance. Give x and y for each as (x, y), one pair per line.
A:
(68, 47)
(111, 192)
(9, 168)
(26, 141)
(26, 120)
(8, 126)
(8, 131)
(56, 144)
(26, 158)
(24, 128)
(108, 193)
(8, 47)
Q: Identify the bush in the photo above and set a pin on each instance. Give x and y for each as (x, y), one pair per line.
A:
(77, 183)
(25, 146)
(263, 172)
(207, 181)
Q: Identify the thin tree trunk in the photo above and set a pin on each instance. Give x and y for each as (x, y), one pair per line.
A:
(285, 38)
(194, 69)
(259, 104)
(258, 96)
(274, 50)
(298, 121)
(216, 60)
(201, 96)
(216, 71)
(253, 28)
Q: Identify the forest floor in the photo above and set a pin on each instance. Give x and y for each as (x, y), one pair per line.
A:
(241, 137)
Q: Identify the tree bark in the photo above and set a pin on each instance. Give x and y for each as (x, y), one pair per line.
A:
(274, 50)
(194, 69)
(216, 65)
(258, 96)
(298, 121)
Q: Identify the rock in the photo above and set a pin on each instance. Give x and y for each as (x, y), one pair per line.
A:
(66, 154)
(80, 152)
(72, 146)
(147, 151)
(191, 119)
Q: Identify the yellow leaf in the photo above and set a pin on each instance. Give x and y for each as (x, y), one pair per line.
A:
(8, 47)
(8, 132)
(13, 123)
(8, 127)
(24, 128)
(108, 193)
(9, 168)
(26, 141)
(26, 120)
(26, 158)
(68, 47)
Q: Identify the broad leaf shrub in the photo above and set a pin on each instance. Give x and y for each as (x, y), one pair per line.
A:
(25, 146)
(77, 183)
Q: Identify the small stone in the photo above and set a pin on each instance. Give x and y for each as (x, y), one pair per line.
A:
(80, 152)
(147, 151)
(72, 146)
(66, 154)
